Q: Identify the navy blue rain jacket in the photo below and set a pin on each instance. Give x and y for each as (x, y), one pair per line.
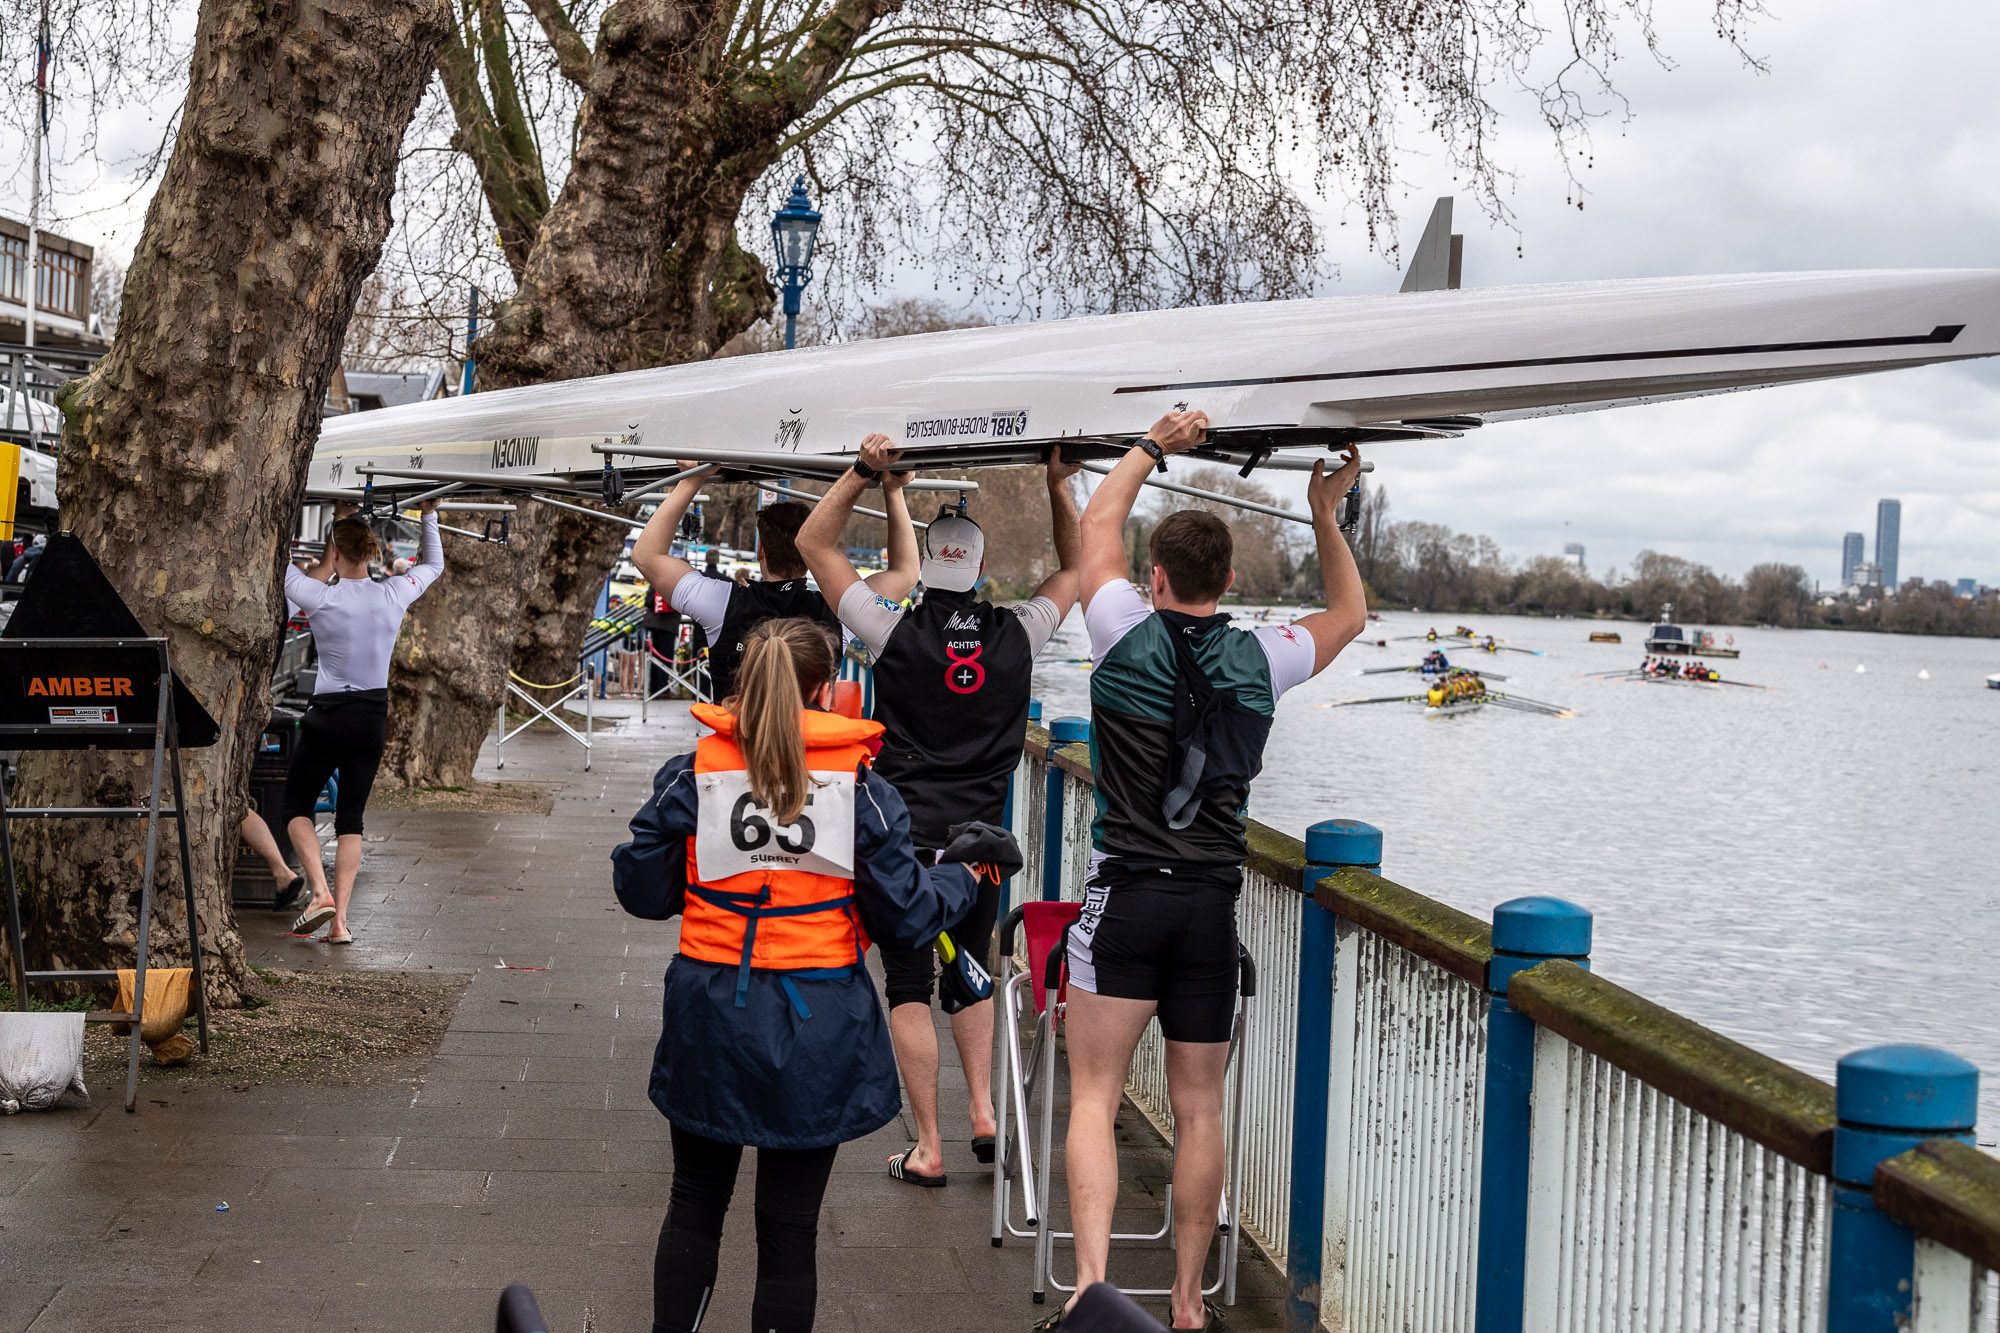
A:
(764, 1075)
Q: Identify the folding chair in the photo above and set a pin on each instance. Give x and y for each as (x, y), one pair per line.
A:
(1042, 988)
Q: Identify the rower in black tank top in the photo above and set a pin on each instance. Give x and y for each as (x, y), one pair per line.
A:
(951, 688)
(726, 610)
(952, 677)
(750, 605)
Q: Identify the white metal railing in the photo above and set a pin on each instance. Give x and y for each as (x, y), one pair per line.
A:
(1408, 1074)
(1646, 1214)
(1952, 1293)
(1668, 1178)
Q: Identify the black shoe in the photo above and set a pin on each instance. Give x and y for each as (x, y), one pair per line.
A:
(292, 895)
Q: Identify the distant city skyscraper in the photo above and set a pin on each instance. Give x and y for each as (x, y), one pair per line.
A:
(1888, 536)
(1573, 553)
(1852, 553)
(1968, 587)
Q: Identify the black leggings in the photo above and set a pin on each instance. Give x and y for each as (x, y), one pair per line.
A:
(790, 1185)
(344, 732)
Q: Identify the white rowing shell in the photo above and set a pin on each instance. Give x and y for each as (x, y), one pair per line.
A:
(1276, 374)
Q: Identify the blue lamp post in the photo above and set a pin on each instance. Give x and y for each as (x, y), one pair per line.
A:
(793, 233)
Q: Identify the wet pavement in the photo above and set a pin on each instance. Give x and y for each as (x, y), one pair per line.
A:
(528, 1151)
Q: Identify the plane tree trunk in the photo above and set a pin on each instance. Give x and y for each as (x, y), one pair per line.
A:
(634, 264)
(185, 450)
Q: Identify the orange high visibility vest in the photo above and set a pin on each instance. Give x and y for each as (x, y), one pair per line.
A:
(776, 897)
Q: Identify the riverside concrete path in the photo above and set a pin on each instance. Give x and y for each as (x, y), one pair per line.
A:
(528, 1151)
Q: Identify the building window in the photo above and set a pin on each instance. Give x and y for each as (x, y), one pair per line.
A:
(13, 263)
(62, 284)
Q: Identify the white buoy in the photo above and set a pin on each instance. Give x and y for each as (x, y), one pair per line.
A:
(1860, 670)
(1923, 674)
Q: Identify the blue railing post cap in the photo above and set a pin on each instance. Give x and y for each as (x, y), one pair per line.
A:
(1034, 710)
(1541, 928)
(1343, 842)
(1069, 730)
(1907, 1087)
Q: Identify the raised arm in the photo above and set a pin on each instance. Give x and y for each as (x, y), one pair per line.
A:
(896, 581)
(406, 588)
(652, 554)
(1103, 558)
(1346, 613)
(819, 540)
(1061, 586)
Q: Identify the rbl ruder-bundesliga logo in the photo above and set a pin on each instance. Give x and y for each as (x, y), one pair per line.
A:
(80, 687)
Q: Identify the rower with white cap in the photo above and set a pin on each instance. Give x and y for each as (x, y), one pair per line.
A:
(952, 678)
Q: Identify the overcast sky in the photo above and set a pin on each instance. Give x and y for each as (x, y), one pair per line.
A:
(1873, 142)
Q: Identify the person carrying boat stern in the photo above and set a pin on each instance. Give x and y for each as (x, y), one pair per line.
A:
(727, 610)
(1181, 705)
(952, 679)
(783, 854)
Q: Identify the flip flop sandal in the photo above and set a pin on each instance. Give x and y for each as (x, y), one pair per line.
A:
(899, 1169)
(312, 919)
(289, 895)
(1051, 1322)
(1211, 1318)
(982, 1148)
(340, 937)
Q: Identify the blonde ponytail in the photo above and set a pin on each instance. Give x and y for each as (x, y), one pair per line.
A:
(785, 663)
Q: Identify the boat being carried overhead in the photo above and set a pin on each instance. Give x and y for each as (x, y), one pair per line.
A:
(1277, 379)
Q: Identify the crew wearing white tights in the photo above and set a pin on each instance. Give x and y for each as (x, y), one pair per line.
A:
(355, 621)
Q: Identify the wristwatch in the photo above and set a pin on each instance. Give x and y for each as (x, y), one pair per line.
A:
(863, 471)
(1152, 450)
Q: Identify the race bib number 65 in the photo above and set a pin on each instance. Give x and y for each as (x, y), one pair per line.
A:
(735, 835)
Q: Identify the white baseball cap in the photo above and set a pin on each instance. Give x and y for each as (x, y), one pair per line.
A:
(954, 551)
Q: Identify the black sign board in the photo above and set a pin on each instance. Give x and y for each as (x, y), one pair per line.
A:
(76, 666)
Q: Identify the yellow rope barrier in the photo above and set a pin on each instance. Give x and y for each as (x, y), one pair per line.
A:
(531, 684)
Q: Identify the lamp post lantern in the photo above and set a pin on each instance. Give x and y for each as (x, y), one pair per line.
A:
(794, 231)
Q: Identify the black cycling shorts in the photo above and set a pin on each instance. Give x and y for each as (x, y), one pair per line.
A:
(1155, 938)
(910, 975)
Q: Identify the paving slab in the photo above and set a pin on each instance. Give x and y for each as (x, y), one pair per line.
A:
(527, 1151)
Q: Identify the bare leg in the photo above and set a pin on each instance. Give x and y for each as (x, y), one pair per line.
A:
(1195, 1075)
(305, 838)
(972, 1032)
(346, 865)
(1103, 1033)
(258, 834)
(917, 1054)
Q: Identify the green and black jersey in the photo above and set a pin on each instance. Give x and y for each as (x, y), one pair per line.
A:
(1132, 703)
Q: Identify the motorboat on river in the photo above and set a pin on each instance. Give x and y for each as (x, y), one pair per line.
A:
(1667, 637)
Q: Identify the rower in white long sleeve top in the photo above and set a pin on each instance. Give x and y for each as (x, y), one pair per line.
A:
(355, 622)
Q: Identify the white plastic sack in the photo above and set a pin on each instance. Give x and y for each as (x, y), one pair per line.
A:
(41, 1057)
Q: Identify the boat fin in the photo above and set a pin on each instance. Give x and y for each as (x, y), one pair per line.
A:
(1436, 262)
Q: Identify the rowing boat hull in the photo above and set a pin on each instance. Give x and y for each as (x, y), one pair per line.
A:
(1292, 374)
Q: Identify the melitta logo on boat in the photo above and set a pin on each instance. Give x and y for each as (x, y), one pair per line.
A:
(1005, 423)
(520, 451)
(790, 433)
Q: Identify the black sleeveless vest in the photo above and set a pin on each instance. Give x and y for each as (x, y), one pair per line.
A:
(750, 605)
(952, 687)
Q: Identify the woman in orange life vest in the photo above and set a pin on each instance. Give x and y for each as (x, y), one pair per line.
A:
(791, 855)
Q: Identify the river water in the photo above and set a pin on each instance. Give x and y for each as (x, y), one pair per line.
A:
(1810, 869)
